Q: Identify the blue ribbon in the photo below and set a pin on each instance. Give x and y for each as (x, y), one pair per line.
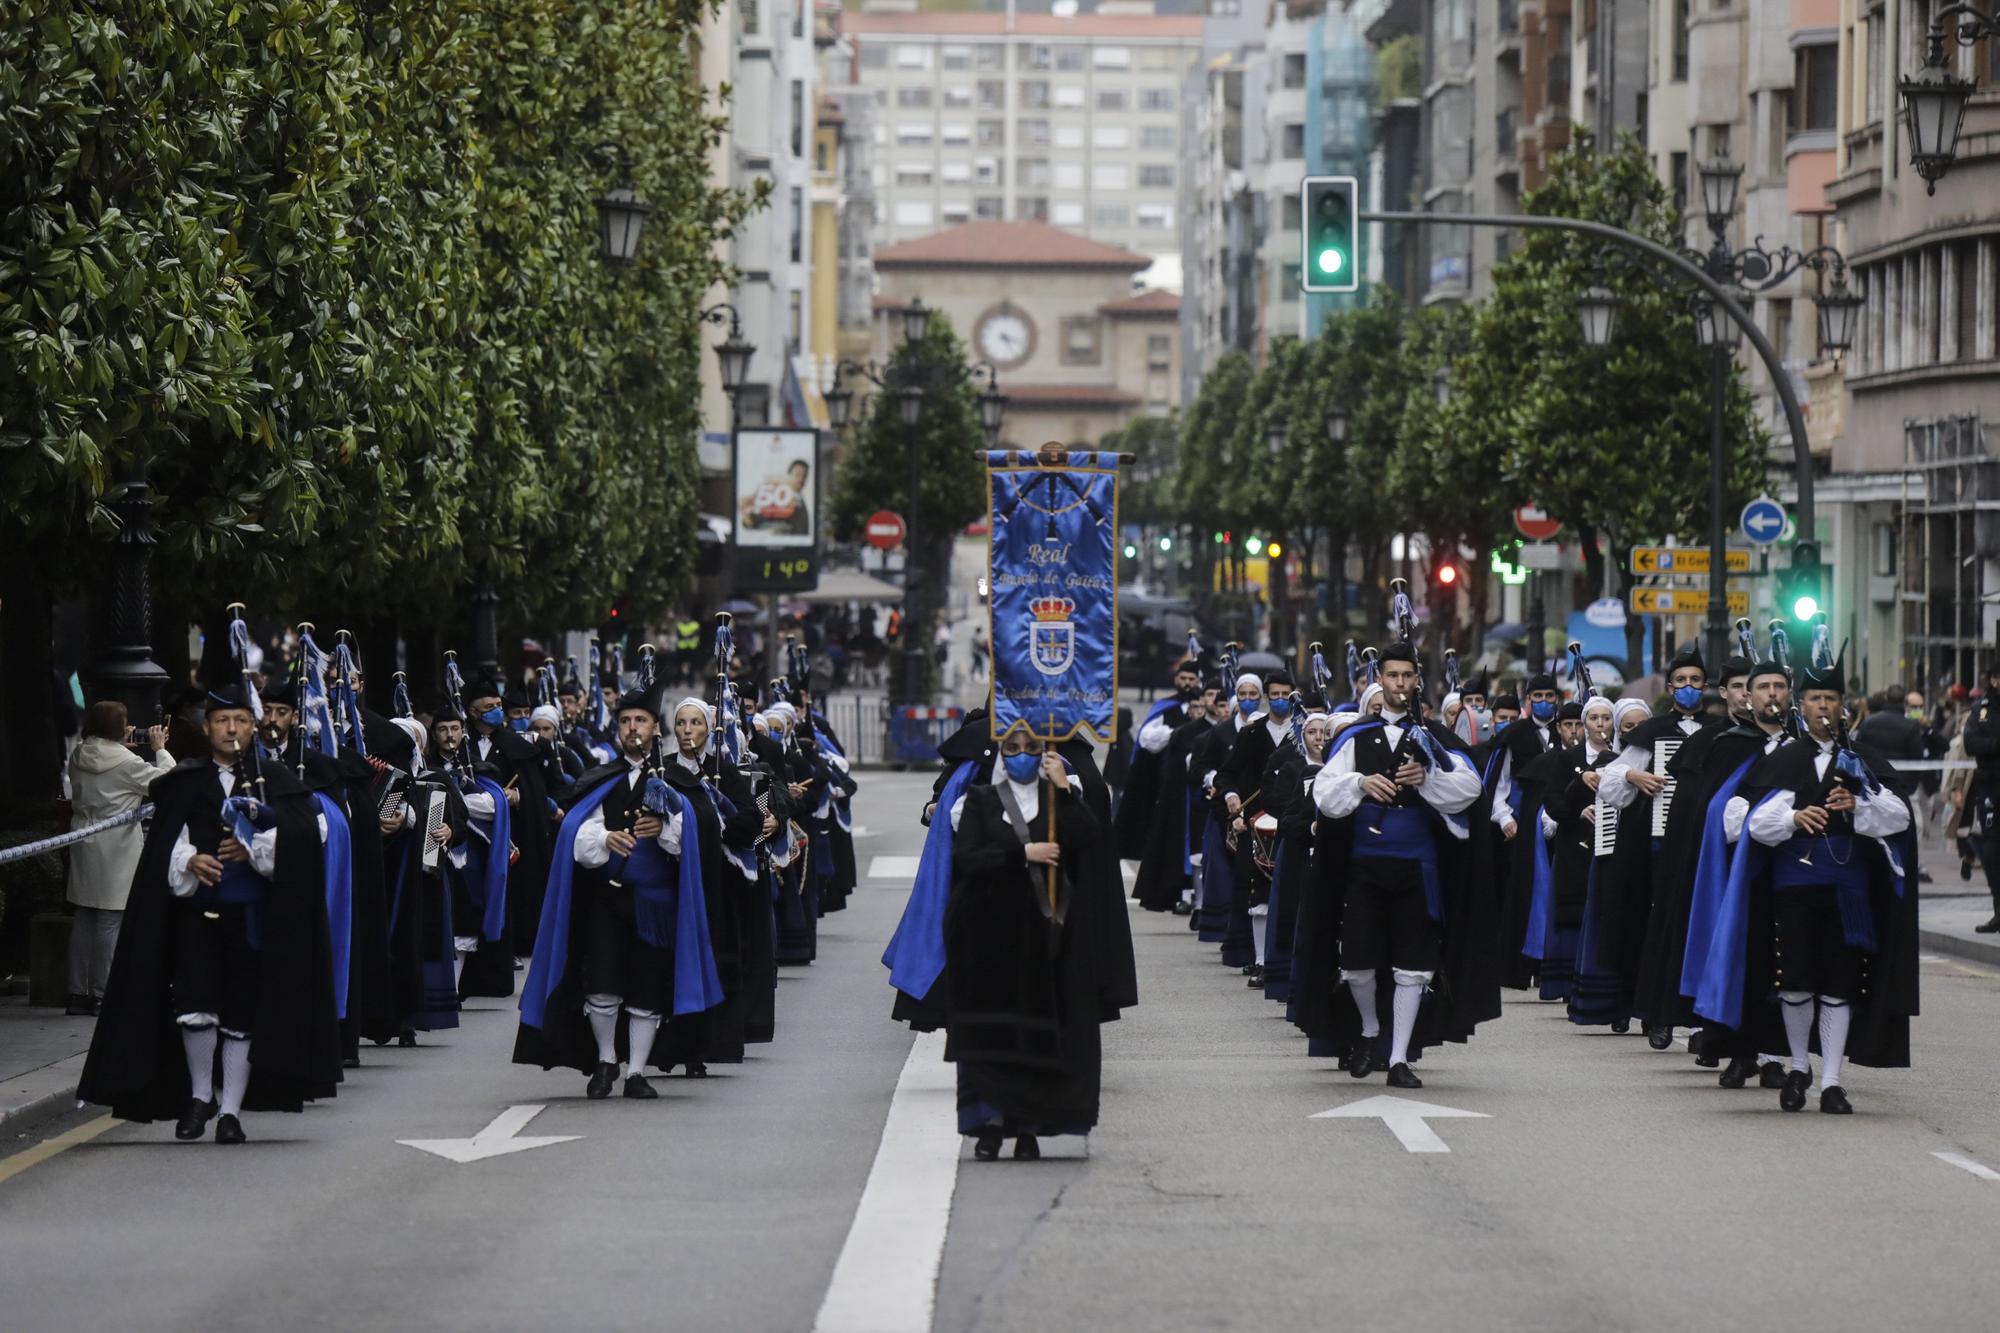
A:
(915, 956)
(487, 886)
(1713, 873)
(338, 858)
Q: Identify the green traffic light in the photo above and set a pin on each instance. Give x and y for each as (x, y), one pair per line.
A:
(1806, 607)
(1331, 262)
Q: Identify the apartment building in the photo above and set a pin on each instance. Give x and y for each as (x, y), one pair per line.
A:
(989, 116)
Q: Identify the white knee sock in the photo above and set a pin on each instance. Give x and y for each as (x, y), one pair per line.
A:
(1257, 915)
(199, 1043)
(1408, 999)
(235, 1073)
(1798, 1028)
(1834, 1017)
(604, 1026)
(1362, 984)
(640, 1029)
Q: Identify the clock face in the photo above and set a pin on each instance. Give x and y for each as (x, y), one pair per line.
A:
(1006, 337)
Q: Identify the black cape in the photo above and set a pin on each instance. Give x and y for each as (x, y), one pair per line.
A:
(1176, 823)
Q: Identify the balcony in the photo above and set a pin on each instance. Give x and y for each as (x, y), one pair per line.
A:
(1506, 134)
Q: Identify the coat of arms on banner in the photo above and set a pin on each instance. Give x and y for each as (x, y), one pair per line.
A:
(1052, 645)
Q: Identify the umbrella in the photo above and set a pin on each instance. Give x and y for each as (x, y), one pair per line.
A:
(1261, 662)
(737, 606)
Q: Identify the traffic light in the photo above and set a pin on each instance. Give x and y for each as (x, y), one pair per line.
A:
(1447, 575)
(1802, 590)
(1328, 208)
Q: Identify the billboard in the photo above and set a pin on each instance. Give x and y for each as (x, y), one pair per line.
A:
(775, 518)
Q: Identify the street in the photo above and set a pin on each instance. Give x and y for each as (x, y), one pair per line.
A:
(1595, 1184)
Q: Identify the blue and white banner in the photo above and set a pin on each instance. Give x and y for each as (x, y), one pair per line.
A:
(1054, 579)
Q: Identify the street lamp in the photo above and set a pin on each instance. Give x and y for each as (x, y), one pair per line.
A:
(1336, 425)
(992, 408)
(1934, 100)
(916, 320)
(1598, 309)
(839, 405)
(1441, 385)
(1714, 328)
(1274, 438)
(1720, 180)
(621, 213)
(1839, 314)
(910, 404)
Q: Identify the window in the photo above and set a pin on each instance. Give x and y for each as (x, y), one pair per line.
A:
(1035, 94)
(913, 213)
(1153, 217)
(1031, 208)
(749, 10)
(798, 248)
(1156, 175)
(987, 171)
(957, 134)
(989, 57)
(1110, 176)
(956, 57)
(795, 331)
(1156, 99)
(1110, 136)
(1288, 282)
(874, 55)
(1032, 173)
(910, 56)
(1069, 59)
(1156, 137)
(1289, 211)
(1069, 96)
(1815, 88)
(1159, 351)
(992, 133)
(1069, 175)
(1677, 180)
(1039, 56)
(913, 98)
(1111, 57)
(1110, 215)
(913, 173)
(956, 173)
(1875, 68)
(1780, 332)
(1292, 141)
(1681, 8)
(913, 135)
(753, 405)
(881, 97)
(798, 118)
(799, 17)
(988, 207)
(1451, 135)
(1295, 69)
(1111, 99)
(957, 95)
(822, 155)
(1067, 214)
(957, 211)
(1068, 136)
(1080, 338)
(992, 95)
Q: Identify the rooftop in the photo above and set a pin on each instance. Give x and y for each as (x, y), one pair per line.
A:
(1155, 304)
(962, 24)
(1007, 245)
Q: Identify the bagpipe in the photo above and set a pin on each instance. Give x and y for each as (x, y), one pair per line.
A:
(656, 798)
(243, 811)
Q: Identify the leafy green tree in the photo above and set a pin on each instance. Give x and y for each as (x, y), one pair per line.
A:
(929, 473)
(1203, 481)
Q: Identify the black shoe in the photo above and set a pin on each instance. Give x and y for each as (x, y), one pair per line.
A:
(638, 1089)
(1834, 1102)
(1990, 928)
(408, 1038)
(228, 1129)
(1361, 1059)
(1256, 981)
(1402, 1076)
(1771, 1076)
(1708, 1061)
(350, 1062)
(1793, 1098)
(1027, 1149)
(1738, 1072)
(1183, 909)
(81, 1006)
(986, 1148)
(1247, 969)
(1965, 867)
(600, 1083)
(194, 1121)
(1621, 1026)
(1659, 1038)
(696, 1069)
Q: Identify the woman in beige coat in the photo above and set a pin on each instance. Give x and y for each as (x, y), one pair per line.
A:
(106, 778)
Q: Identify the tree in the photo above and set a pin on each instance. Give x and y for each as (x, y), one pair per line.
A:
(929, 473)
(1203, 477)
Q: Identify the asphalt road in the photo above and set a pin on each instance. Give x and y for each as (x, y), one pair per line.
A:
(1608, 1187)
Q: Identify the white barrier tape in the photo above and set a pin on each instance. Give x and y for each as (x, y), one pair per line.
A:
(1932, 765)
(61, 840)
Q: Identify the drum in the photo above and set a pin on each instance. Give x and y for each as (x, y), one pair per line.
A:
(1264, 841)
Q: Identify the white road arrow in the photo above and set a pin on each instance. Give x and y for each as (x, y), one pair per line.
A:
(1405, 1118)
(496, 1140)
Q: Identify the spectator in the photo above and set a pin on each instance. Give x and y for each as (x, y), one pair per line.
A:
(1889, 730)
(106, 778)
(980, 651)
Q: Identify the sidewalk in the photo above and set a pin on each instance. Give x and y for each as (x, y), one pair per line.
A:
(41, 1055)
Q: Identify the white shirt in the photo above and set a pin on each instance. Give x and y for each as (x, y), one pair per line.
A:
(593, 849)
(1503, 788)
(1449, 787)
(1738, 808)
(1881, 814)
(181, 879)
(1634, 758)
(1027, 795)
(1154, 735)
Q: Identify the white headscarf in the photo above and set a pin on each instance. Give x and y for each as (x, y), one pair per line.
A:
(413, 729)
(1623, 707)
(547, 713)
(1250, 676)
(1368, 696)
(1599, 701)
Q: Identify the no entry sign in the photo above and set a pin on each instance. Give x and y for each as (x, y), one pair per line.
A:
(885, 530)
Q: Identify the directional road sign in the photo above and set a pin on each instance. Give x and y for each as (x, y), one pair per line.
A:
(1405, 1117)
(1763, 520)
(1683, 602)
(1684, 560)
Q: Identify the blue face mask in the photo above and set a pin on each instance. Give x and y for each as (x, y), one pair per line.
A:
(1022, 767)
(518, 723)
(1687, 696)
(1281, 708)
(1543, 709)
(1249, 707)
(1499, 727)
(492, 717)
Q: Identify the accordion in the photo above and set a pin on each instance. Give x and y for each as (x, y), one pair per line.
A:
(1605, 838)
(427, 804)
(389, 793)
(1663, 754)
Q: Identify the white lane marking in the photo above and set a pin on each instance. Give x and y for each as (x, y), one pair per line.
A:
(1405, 1118)
(496, 1140)
(892, 867)
(1964, 1163)
(861, 831)
(885, 1280)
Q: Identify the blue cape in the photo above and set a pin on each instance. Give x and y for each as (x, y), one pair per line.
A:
(1541, 905)
(1157, 709)
(697, 987)
(338, 857)
(493, 870)
(915, 956)
(1713, 872)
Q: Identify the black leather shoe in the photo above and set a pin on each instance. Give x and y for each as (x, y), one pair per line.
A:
(1361, 1060)
(228, 1129)
(638, 1089)
(600, 1083)
(1402, 1076)
(696, 1069)
(1990, 928)
(1028, 1149)
(1621, 1026)
(1659, 1038)
(1834, 1102)
(1256, 981)
(408, 1038)
(1738, 1072)
(1708, 1061)
(1771, 1076)
(194, 1121)
(1793, 1097)
(986, 1148)
(350, 1062)
(1183, 909)
(81, 1006)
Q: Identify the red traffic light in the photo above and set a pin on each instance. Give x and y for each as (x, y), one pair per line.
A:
(1447, 574)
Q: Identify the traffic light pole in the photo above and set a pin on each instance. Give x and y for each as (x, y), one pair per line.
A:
(1795, 417)
(1716, 651)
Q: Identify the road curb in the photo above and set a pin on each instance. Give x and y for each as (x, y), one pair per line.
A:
(39, 1096)
(1976, 951)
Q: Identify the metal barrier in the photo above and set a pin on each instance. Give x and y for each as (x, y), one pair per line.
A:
(62, 840)
(916, 731)
(862, 723)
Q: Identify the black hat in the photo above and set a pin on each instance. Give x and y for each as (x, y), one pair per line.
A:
(1313, 701)
(441, 711)
(569, 687)
(1477, 685)
(1689, 655)
(1397, 652)
(1184, 663)
(1278, 676)
(1569, 712)
(1769, 668)
(1827, 673)
(1212, 680)
(233, 695)
(1508, 701)
(284, 692)
(646, 701)
(514, 699)
(1736, 665)
(1541, 680)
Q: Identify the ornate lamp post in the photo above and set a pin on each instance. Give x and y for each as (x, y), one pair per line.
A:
(1934, 98)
